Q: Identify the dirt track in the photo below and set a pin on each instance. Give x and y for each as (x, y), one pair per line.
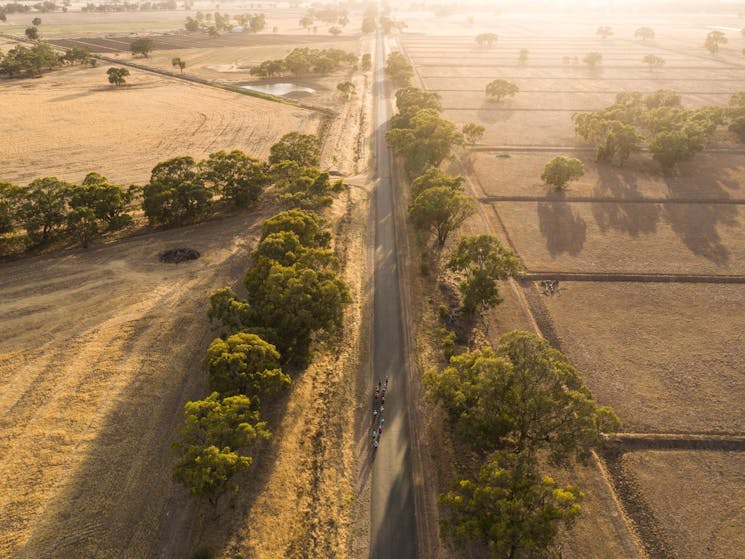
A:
(89, 405)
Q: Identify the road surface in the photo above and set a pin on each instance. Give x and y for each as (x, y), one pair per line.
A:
(393, 530)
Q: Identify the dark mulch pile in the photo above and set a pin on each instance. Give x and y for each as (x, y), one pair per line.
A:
(176, 255)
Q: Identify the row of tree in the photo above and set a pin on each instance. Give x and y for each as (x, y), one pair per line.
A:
(18, 8)
(671, 132)
(296, 295)
(418, 132)
(181, 190)
(304, 61)
(130, 6)
(218, 22)
(23, 61)
(515, 406)
(49, 207)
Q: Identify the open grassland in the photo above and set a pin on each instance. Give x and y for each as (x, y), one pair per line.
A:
(667, 357)
(99, 350)
(684, 489)
(71, 122)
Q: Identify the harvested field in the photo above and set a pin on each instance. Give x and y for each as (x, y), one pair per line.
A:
(627, 237)
(71, 122)
(701, 489)
(83, 24)
(89, 405)
(667, 357)
(711, 176)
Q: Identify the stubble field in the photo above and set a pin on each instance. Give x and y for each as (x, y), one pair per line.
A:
(667, 357)
(71, 122)
(100, 349)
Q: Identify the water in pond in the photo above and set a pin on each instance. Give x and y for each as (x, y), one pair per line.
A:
(279, 88)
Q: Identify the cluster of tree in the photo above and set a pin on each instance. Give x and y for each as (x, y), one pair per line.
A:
(182, 191)
(398, 70)
(510, 405)
(336, 16)
(303, 61)
(216, 23)
(439, 205)
(486, 39)
(653, 61)
(368, 19)
(671, 132)
(23, 61)
(130, 6)
(498, 89)
(18, 8)
(49, 208)
(736, 113)
(713, 40)
(142, 46)
(419, 133)
(117, 76)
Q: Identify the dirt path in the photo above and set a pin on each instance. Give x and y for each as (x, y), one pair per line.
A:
(99, 350)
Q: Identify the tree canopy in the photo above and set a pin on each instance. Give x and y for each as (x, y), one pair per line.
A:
(473, 133)
(432, 178)
(671, 132)
(509, 509)
(176, 193)
(604, 31)
(426, 142)
(560, 171)
(440, 210)
(644, 33)
(244, 364)
(117, 76)
(713, 40)
(303, 149)
(236, 176)
(486, 39)
(499, 89)
(398, 70)
(142, 45)
(482, 261)
(213, 443)
(523, 396)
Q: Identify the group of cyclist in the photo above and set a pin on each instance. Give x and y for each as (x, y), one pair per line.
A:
(378, 409)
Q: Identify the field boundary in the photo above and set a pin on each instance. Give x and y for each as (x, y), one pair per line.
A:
(623, 277)
(612, 200)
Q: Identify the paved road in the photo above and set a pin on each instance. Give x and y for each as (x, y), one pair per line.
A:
(393, 521)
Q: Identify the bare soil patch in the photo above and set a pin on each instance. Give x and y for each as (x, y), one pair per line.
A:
(71, 122)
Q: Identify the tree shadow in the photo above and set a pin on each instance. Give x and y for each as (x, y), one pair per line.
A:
(633, 219)
(697, 224)
(492, 112)
(564, 229)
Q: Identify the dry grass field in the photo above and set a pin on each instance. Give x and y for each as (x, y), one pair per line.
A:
(83, 24)
(99, 350)
(71, 122)
(701, 489)
(667, 357)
